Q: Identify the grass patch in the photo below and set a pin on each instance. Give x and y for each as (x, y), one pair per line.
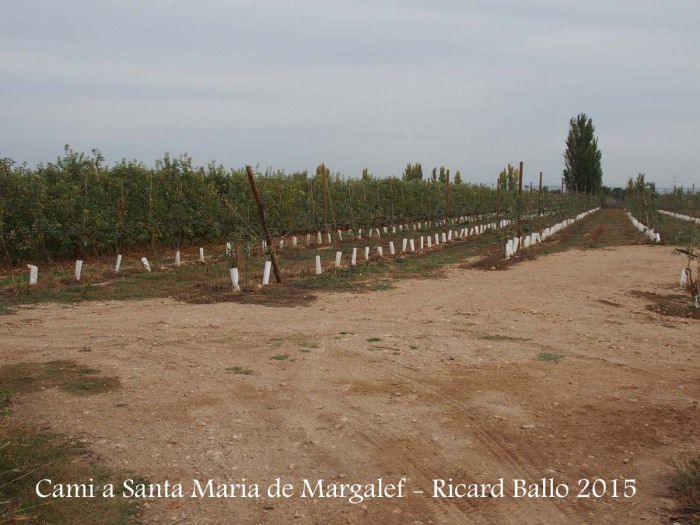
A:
(191, 283)
(374, 339)
(307, 346)
(280, 357)
(339, 280)
(5, 400)
(687, 488)
(676, 231)
(28, 456)
(69, 376)
(210, 283)
(430, 264)
(239, 370)
(605, 228)
(413, 347)
(549, 357)
(383, 286)
(673, 305)
(500, 337)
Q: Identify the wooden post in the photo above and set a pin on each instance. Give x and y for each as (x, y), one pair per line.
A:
(561, 199)
(498, 199)
(447, 194)
(261, 212)
(326, 171)
(520, 200)
(539, 203)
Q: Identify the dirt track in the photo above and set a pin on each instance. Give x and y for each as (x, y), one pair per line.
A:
(444, 392)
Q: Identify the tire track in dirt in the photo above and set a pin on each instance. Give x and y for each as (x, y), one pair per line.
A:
(311, 377)
(293, 416)
(458, 510)
(528, 463)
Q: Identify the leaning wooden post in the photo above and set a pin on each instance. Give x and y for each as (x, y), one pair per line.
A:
(261, 212)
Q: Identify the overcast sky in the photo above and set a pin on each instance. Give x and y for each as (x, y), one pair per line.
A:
(471, 85)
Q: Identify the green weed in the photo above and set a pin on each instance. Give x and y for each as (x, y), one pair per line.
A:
(549, 357)
(239, 370)
(500, 337)
(687, 487)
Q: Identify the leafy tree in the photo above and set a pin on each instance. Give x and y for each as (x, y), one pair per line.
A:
(443, 176)
(618, 194)
(418, 171)
(81, 206)
(322, 171)
(511, 204)
(582, 170)
(508, 178)
(413, 172)
(458, 177)
(641, 200)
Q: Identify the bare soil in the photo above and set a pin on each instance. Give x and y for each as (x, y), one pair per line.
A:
(432, 379)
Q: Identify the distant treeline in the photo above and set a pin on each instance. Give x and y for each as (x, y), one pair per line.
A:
(78, 206)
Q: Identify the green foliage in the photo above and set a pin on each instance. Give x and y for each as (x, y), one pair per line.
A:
(28, 455)
(508, 178)
(680, 200)
(239, 370)
(77, 206)
(508, 184)
(582, 169)
(687, 487)
(66, 375)
(641, 201)
(501, 337)
(549, 357)
(413, 172)
(322, 171)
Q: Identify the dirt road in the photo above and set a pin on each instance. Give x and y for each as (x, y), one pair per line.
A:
(553, 369)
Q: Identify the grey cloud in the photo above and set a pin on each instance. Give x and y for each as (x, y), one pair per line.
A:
(471, 85)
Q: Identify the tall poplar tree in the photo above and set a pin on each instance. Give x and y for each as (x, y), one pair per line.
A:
(582, 170)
